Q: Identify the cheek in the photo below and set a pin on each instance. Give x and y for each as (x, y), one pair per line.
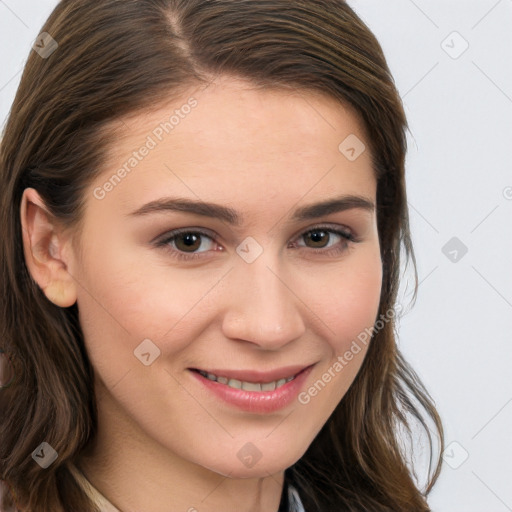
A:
(346, 300)
(124, 299)
(129, 286)
(357, 306)
(349, 315)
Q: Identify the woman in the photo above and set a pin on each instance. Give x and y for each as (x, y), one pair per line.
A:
(203, 205)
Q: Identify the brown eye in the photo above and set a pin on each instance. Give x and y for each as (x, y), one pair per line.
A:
(319, 238)
(326, 241)
(188, 242)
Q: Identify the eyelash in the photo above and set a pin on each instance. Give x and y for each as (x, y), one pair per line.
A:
(347, 236)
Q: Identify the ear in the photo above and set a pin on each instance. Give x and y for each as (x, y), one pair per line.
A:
(45, 247)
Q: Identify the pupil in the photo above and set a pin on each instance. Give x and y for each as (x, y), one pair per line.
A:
(317, 236)
(188, 240)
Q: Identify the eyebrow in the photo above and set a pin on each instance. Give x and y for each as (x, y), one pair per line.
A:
(206, 209)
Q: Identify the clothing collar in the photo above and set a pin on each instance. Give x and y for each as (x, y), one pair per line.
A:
(294, 501)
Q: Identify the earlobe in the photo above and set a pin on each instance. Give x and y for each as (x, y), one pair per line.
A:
(43, 244)
(61, 294)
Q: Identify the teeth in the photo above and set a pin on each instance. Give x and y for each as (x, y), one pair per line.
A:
(268, 387)
(233, 383)
(247, 386)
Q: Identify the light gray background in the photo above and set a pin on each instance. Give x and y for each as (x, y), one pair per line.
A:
(459, 180)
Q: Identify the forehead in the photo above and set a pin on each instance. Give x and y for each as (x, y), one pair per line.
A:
(233, 141)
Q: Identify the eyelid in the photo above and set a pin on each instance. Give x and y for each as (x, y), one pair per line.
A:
(349, 240)
(161, 239)
(328, 226)
(178, 231)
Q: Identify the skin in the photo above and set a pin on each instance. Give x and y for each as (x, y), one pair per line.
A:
(263, 153)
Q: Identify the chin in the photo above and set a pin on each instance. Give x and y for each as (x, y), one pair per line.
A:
(258, 471)
(261, 469)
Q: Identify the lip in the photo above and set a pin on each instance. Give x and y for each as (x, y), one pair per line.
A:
(255, 375)
(257, 401)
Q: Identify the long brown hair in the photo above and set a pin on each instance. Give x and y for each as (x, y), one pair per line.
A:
(118, 57)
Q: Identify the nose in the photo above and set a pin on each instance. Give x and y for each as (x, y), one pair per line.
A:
(262, 306)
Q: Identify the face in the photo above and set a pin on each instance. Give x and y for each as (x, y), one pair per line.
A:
(253, 290)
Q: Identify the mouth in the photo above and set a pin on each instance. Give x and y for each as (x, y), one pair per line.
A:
(245, 384)
(254, 391)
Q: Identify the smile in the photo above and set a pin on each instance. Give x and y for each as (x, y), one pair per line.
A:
(245, 385)
(254, 391)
